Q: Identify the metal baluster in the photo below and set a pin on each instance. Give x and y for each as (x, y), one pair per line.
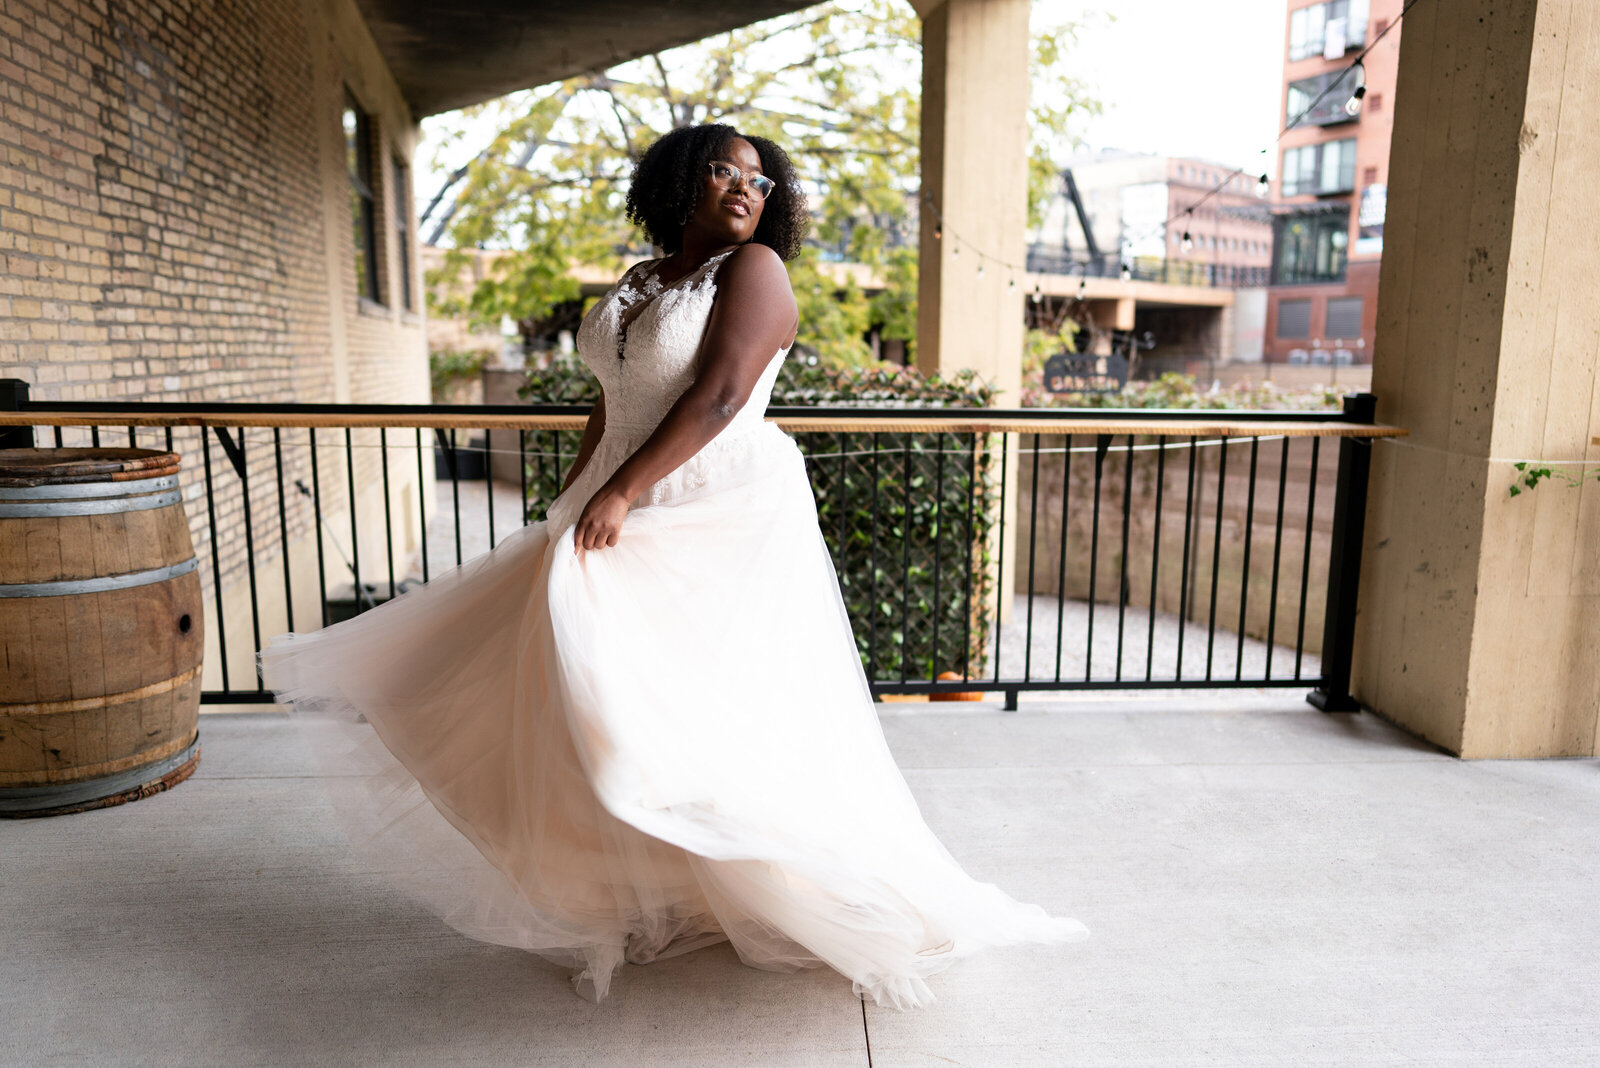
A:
(966, 601)
(1216, 552)
(1277, 552)
(60, 445)
(1305, 564)
(872, 569)
(388, 521)
(1102, 442)
(1188, 527)
(132, 439)
(316, 506)
(1061, 564)
(1244, 578)
(94, 436)
(1000, 563)
(455, 487)
(355, 529)
(488, 482)
(1155, 559)
(522, 472)
(169, 438)
(216, 562)
(905, 558)
(283, 527)
(1033, 531)
(1122, 582)
(422, 505)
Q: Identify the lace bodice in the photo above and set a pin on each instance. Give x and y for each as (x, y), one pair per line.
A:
(661, 327)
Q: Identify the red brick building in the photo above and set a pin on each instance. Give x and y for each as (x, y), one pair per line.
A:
(1328, 200)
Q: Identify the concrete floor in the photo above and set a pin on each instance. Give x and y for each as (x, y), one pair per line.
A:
(1264, 885)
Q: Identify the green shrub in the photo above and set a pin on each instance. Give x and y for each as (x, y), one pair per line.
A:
(448, 365)
(1174, 390)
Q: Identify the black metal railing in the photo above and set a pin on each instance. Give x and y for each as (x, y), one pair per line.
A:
(1044, 260)
(997, 551)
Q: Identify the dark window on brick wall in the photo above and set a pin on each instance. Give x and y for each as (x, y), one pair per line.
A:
(1294, 319)
(402, 230)
(363, 205)
(1310, 247)
(1344, 318)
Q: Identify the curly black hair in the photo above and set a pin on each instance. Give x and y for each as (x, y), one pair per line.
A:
(667, 182)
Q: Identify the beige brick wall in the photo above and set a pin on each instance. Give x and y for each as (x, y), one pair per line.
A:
(175, 225)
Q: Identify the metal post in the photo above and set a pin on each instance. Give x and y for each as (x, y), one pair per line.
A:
(13, 398)
(1344, 565)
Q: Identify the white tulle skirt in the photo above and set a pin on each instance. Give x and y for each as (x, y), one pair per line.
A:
(630, 753)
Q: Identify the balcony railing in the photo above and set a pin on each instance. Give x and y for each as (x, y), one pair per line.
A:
(979, 550)
(1146, 269)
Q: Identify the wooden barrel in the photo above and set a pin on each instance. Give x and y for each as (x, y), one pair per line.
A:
(100, 629)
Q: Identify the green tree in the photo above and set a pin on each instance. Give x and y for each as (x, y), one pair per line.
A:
(838, 85)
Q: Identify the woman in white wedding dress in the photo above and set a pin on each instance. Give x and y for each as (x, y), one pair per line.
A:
(641, 726)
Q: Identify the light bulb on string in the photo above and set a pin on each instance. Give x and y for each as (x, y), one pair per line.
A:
(938, 232)
(1011, 283)
(1038, 293)
(1127, 273)
(955, 249)
(1263, 186)
(1353, 105)
(980, 270)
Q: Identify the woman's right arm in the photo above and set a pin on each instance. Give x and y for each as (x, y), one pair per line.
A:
(591, 437)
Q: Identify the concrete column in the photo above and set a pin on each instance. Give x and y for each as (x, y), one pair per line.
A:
(975, 174)
(1480, 612)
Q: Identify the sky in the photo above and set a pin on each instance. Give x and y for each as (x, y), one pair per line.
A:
(1176, 77)
(1181, 77)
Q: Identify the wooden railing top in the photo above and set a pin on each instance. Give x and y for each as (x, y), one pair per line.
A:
(1198, 426)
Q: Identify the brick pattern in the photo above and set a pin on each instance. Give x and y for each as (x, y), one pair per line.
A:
(164, 179)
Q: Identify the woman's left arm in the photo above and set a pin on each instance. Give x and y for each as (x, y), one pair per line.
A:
(753, 316)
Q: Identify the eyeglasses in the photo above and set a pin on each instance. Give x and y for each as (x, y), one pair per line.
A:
(726, 176)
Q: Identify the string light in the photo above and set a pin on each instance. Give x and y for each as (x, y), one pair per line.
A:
(1352, 107)
(1262, 189)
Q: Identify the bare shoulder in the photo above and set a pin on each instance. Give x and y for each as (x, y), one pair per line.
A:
(754, 269)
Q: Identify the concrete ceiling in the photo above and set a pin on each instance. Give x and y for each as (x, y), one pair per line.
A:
(449, 54)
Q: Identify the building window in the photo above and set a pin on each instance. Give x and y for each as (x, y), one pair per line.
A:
(1327, 29)
(1310, 247)
(363, 206)
(402, 230)
(1322, 169)
(1344, 317)
(1294, 319)
(1320, 100)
